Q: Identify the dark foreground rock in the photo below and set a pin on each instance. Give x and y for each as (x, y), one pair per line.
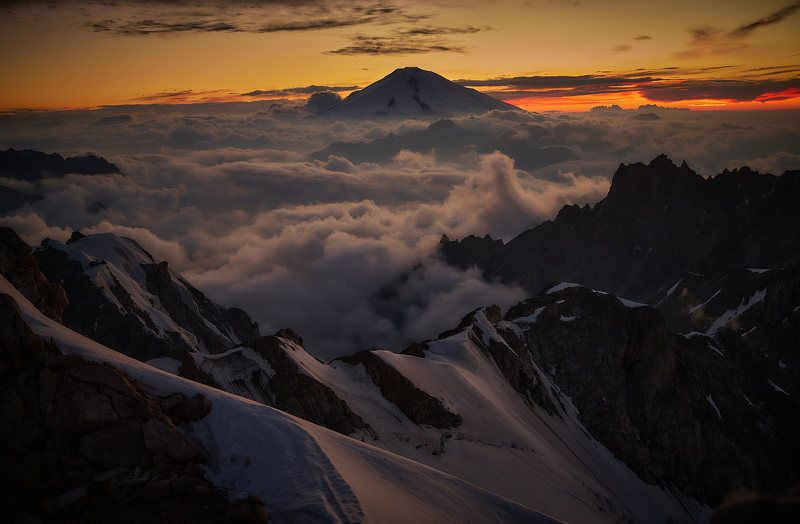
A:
(698, 412)
(18, 265)
(82, 442)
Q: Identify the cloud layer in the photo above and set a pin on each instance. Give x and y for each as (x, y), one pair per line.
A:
(234, 196)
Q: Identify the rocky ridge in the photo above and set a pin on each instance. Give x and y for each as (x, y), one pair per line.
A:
(82, 442)
(122, 297)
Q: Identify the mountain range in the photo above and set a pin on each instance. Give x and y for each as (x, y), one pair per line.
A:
(652, 371)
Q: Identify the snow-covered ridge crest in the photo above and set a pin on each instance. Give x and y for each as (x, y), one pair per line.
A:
(300, 470)
(113, 284)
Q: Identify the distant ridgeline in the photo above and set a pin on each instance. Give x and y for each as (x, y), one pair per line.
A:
(32, 166)
(27, 164)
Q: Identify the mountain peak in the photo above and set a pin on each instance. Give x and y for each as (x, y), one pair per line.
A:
(410, 69)
(411, 92)
(659, 179)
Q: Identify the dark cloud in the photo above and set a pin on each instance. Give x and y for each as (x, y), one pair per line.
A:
(414, 40)
(438, 31)
(622, 48)
(312, 25)
(739, 90)
(640, 38)
(773, 18)
(155, 27)
(165, 17)
(560, 85)
(165, 95)
(650, 83)
(555, 81)
(395, 45)
(322, 100)
(712, 41)
(294, 91)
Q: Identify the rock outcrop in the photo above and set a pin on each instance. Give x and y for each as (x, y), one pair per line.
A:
(696, 412)
(417, 405)
(658, 223)
(121, 297)
(82, 442)
(18, 265)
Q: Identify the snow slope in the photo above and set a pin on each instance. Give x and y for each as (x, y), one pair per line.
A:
(302, 472)
(508, 446)
(132, 283)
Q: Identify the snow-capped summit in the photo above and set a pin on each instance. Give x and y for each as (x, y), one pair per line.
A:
(411, 92)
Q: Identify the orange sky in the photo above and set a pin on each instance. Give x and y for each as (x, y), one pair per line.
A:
(564, 54)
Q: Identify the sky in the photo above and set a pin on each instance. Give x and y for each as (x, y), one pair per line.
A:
(538, 54)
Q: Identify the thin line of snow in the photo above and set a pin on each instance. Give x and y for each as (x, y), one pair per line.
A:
(698, 306)
(713, 405)
(732, 314)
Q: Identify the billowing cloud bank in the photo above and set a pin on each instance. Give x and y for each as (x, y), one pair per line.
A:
(340, 248)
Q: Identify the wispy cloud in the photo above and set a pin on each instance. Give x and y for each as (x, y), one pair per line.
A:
(166, 17)
(711, 41)
(184, 96)
(392, 45)
(415, 40)
(297, 91)
(664, 85)
(773, 18)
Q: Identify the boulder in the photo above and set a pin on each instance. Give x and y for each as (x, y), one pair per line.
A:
(160, 436)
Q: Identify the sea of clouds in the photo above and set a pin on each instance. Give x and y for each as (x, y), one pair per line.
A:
(239, 199)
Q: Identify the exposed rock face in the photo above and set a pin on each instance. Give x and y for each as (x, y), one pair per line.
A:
(658, 223)
(120, 296)
(760, 305)
(195, 316)
(18, 265)
(81, 442)
(698, 413)
(300, 394)
(264, 369)
(417, 405)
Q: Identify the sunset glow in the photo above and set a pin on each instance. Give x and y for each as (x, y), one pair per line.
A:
(89, 54)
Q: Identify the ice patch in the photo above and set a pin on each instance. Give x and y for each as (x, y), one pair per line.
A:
(778, 388)
(631, 304)
(530, 319)
(560, 287)
(698, 306)
(732, 314)
(711, 401)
